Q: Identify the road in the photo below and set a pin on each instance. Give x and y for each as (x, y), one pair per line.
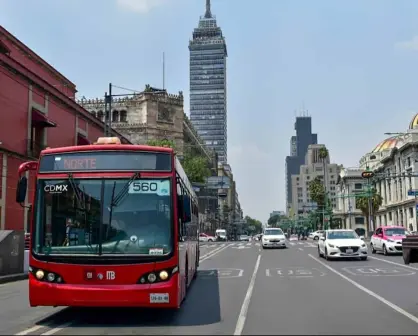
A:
(244, 290)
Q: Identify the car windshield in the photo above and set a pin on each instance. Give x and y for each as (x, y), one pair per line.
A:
(221, 233)
(395, 232)
(273, 232)
(87, 216)
(342, 235)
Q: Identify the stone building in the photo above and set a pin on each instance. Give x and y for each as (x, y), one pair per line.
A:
(149, 115)
(313, 167)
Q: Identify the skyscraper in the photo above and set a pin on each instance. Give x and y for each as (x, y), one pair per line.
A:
(299, 146)
(208, 107)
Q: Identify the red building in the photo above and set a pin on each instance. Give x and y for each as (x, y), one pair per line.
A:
(37, 110)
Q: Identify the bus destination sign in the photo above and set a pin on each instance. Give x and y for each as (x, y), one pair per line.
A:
(105, 161)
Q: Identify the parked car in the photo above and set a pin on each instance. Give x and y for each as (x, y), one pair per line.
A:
(342, 244)
(388, 239)
(203, 237)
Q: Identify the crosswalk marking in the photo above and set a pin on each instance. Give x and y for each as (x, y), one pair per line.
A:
(246, 245)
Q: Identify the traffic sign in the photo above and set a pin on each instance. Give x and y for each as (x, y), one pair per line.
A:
(367, 174)
(412, 192)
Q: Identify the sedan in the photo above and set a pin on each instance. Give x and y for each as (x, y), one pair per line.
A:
(244, 238)
(342, 244)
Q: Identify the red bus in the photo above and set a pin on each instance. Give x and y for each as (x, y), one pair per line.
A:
(113, 225)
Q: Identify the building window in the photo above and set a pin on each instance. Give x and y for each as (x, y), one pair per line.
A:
(123, 116)
(359, 220)
(358, 186)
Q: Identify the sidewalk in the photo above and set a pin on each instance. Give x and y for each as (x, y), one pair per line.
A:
(13, 277)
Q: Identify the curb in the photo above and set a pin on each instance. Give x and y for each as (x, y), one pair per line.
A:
(13, 277)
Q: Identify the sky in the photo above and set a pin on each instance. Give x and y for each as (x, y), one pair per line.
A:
(353, 65)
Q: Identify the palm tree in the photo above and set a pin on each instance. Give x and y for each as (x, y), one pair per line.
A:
(362, 203)
(323, 155)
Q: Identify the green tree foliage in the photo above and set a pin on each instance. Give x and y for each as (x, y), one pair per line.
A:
(362, 203)
(196, 167)
(317, 191)
(277, 220)
(162, 143)
(323, 153)
(251, 222)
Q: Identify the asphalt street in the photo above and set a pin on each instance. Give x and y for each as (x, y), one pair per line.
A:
(244, 290)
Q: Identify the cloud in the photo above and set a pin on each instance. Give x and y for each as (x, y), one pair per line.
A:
(140, 6)
(408, 45)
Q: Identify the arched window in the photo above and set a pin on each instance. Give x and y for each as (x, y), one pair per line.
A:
(123, 116)
(100, 115)
(115, 116)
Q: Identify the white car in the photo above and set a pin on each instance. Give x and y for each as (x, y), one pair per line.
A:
(273, 237)
(316, 235)
(203, 237)
(342, 244)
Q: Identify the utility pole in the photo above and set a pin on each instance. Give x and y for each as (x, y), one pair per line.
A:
(368, 174)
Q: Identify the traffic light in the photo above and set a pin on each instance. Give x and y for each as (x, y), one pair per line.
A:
(367, 174)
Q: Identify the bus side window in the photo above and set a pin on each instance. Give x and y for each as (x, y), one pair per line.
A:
(180, 210)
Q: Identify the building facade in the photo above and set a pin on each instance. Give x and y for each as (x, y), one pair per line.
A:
(208, 85)
(299, 146)
(349, 184)
(152, 114)
(38, 110)
(394, 162)
(311, 169)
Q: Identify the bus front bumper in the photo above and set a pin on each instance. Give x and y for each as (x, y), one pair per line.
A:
(161, 295)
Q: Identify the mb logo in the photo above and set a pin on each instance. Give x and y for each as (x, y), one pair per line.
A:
(110, 275)
(52, 188)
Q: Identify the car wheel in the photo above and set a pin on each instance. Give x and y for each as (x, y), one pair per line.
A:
(316, 238)
(385, 251)
(319, 253)
(363, 258)
(372, 248)
(326, 254)
(210, 240)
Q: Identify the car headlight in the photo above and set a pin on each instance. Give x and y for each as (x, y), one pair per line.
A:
(391, 241)
(330, 245)
(363, 245)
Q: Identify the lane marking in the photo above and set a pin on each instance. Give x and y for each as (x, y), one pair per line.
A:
(394, 263)
(368, 291)
(212, 251)
(215, 252)
(244, 309)
(58, 329)
(300, 249)
(29, 331)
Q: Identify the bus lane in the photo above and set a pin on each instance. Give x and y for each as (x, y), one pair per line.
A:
(211, 307)
(391, 280)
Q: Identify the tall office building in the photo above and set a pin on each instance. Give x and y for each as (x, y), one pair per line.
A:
(208, 108)
(299, 148)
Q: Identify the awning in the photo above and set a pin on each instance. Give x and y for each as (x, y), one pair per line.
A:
(82, 140)
(41, 119)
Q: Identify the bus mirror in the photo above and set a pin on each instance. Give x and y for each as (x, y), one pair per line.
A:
(21, 189)
(187, 211)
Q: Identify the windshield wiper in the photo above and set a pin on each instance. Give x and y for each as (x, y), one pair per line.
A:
(115, 200)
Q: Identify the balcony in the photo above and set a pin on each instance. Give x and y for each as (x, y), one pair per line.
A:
(34, 148)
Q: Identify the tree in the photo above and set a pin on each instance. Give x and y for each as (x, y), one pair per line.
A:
(274, 220)
(317, 191)
(362, 203)
(162, 143)
(323, 155)
(196, 167)
(251, 222)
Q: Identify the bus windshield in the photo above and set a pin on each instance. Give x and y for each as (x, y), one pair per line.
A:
(106, 216)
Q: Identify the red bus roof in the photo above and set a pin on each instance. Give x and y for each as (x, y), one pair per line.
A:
(89, 148)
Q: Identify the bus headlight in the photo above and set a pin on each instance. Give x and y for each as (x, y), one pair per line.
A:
(152, 277)
(163, 275)
(51, 277)
(39, 274)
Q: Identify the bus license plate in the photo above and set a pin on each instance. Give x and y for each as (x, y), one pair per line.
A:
(349, 251)
(159, 298)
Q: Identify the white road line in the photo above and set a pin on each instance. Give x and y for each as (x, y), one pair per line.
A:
(244, 309)
(214, 252)
(368, 291)
(58, 329)
(249, 244)
(300, 249)
(394, 263)
(292, 243)
(29, 330)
